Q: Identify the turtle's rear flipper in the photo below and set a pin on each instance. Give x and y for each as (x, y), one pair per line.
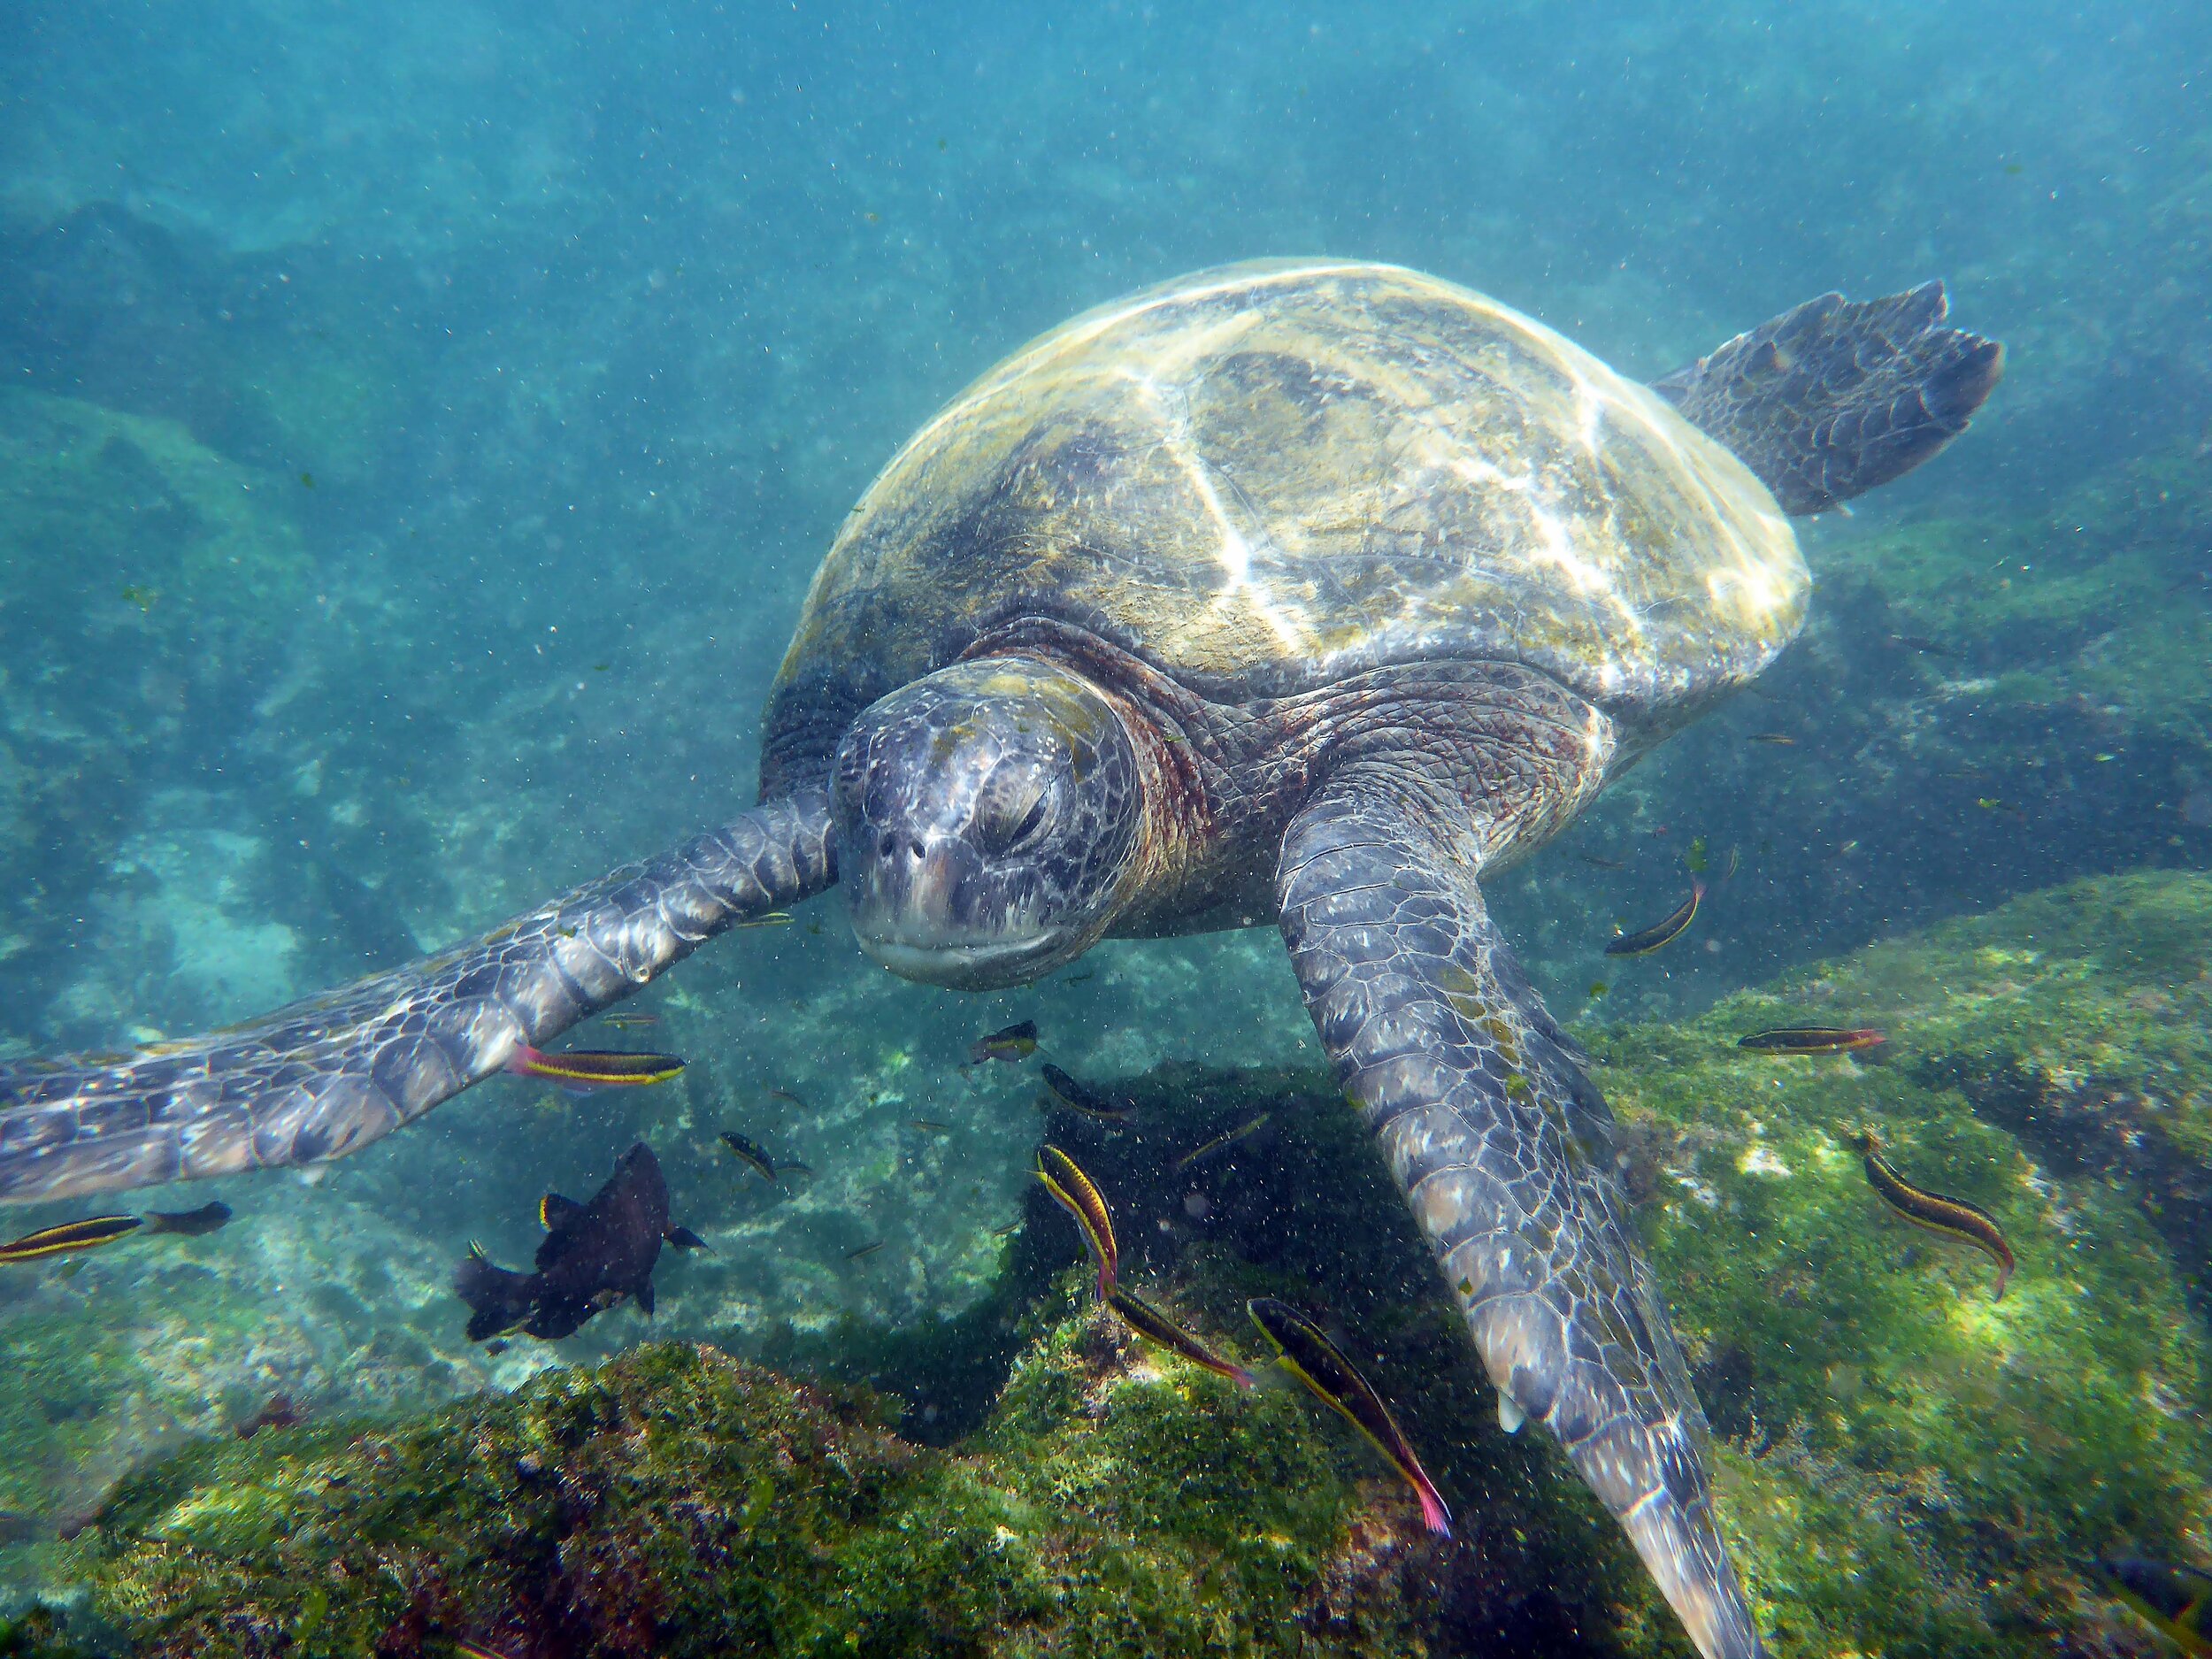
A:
(326, 1076)
(1835, 397)
(1504, 1150)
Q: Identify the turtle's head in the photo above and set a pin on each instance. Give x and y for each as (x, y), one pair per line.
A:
(987, 821)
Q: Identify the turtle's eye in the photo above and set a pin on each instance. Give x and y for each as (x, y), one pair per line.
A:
(1012, 827)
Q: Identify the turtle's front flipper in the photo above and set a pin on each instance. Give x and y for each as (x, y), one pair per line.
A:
(1834, 397)
(1504, 1149)
(326, 1076)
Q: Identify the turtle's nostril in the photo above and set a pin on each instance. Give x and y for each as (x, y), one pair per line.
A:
(889, 847)
(914, 850)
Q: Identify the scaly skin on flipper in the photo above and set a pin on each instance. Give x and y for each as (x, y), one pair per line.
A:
(1504, 1149)
(1834, 397)
(326, 1076)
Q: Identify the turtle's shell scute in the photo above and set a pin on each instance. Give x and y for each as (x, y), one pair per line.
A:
(1264, 478)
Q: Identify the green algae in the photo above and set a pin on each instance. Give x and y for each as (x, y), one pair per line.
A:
(1994, 1446)
(678, 1499)
(2080, 611)
(1906, 1465)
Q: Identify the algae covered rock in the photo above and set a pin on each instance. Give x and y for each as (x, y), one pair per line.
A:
(598, 1503)
(1919, 1466)
(1907, 1465)
(676, 1502)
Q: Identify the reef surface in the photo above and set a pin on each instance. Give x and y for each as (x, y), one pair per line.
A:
(1907, 1465)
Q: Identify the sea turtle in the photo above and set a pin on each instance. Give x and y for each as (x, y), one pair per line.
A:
(1308, 593)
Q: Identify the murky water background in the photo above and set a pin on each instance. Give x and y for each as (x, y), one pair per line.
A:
(419, 422)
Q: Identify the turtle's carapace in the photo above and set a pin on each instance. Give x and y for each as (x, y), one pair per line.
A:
(1953, 1218)
(584, 1068)
(1315, 1360)
(1154, 1326)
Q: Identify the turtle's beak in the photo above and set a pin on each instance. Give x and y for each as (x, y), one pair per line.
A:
(970, 847)
(921, 908)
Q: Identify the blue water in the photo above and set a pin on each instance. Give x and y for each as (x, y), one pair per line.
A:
(419, 422)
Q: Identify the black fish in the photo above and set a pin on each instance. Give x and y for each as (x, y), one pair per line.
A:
(1154, 1326)
(1927, 647)
(593, 1256)
(16, 1527)
(1938, 1212)
(1812, 1040)
(1251, 1127)
(280, 1413)
(190, 1224)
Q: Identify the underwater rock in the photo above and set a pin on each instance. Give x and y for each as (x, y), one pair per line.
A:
(1905, 1464)
(676, 1502)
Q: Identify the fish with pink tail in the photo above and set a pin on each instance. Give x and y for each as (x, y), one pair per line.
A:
(1315, 1360)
